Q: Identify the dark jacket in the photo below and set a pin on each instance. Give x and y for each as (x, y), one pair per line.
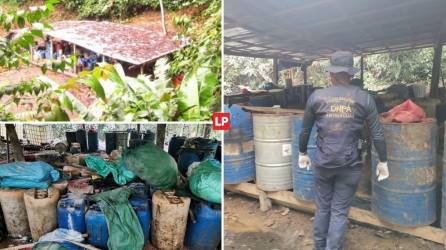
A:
(339, 113)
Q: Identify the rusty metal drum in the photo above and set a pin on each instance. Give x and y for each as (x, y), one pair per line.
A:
(408, 196)
(272, 145)
(239, 147)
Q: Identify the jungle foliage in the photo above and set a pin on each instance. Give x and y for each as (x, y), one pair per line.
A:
(381, 70)
(124, 8)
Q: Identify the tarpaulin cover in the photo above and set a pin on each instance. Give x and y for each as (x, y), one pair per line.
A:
(59, 239)
(63, 245)
(406, 112)
(205, 181)
(22, 174)
(153, 165)
(120, 173)
(122, 222)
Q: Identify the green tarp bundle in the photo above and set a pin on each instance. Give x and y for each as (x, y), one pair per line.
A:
(152, 164)
(124, 229)
(205, 181)
(121, 174)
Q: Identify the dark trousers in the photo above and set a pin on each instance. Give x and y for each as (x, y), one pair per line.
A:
(335, 189)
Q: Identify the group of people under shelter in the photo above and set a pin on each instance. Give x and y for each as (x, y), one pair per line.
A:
(60, 50)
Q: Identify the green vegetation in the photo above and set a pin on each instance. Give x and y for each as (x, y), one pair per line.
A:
(123, 8)
(145, 98)
(381, 70)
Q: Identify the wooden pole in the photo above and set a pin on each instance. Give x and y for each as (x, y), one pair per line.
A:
(207, 131)
(74, 53)
(304, 69)
(436, 67)
(362, 68)
(51, 51)
(15, 142)
(160, 135)
(8, 150)
(275, 71)
(162, 17)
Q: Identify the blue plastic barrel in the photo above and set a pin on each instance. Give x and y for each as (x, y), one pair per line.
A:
(204, 232)
(185, 159)
(443, 189)
(196, 149)
(238, 155)
(261, 100)
(408, 196)
(110, 142)
(71, 213)
(96, 227)
(140, 203)
(142, 210)
(303, 179)
(175, 144)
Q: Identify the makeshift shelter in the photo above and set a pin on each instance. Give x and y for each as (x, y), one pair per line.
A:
(131, 44)
(305, 31)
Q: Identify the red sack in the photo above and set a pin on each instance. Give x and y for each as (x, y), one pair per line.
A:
(406, 112)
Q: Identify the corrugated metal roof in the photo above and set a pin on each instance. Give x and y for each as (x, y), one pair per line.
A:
(131, 44)
(308, 30)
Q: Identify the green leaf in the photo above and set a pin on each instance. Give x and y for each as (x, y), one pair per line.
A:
(37, 33)
(67, 103)
(44, 68)
(208, 81)
(94, 84)
(21, 22)
(188, 95)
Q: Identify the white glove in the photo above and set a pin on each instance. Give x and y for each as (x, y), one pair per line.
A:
(304, 161)
(382, 171)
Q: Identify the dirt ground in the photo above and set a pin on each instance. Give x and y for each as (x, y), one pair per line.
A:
(246, 227)
(26, 73)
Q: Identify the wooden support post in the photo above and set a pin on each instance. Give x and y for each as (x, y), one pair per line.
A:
(51, 51)
(182, 129)
(304, 70)
(31, 54)
(15, 142)
(162, 17)
(141, 69)
(207, 131)
(275, 72)
(287, 198)
(436, 68)
(265, 202)
(8, 150)
(362, 68)
(160, 135)
(103, 58)
(74, 53)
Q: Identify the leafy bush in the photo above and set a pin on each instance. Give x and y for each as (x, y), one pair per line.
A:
(123, 8)
(200, 91)
(177, 4)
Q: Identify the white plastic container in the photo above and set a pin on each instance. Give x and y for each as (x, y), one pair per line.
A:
(14, 212)
(169, 220)
(42, 212)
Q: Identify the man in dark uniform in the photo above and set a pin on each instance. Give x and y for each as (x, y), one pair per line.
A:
(339, 113)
